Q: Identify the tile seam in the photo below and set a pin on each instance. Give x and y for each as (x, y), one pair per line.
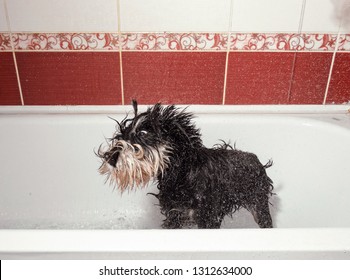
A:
(174, 51)
(228, 47)
(331, 67)
(120, 55)
(13, 53)
(172, 32)
(300, 26)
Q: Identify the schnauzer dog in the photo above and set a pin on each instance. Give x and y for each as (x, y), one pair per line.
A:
(197, 185)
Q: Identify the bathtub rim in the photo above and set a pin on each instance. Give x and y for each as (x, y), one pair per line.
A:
(252, 242)
(197, 109)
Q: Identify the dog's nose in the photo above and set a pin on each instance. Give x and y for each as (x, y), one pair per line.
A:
(112, 161)
(112, 157)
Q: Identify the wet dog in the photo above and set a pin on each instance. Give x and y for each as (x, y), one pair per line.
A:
(196, 184)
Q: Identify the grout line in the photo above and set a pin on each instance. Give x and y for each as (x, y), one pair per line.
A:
(18, 78)
(160, 50)
(121, 76)
(332, 64)
(120, 54)
(13, 53)
(175, 51)
(225, 76)
(172, 32)
(227, 53)
(301, 20)
(300, 26)
(291, 78)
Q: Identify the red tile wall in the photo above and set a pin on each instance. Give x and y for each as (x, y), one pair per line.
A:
(339, 88)
(174, 77)
(187, 76)
(258, 77)
(309, 78)
(69, 78)
(9, 91)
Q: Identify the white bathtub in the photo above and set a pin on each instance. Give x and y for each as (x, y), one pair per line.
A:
(54, 204)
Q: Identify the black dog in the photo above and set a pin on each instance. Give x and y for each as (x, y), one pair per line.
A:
(196, 184)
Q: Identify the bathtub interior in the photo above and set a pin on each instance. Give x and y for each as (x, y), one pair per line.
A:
(49, 178)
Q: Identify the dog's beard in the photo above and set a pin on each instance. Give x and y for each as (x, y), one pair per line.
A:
(135, 166)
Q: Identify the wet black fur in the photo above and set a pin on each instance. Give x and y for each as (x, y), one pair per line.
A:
(200, 185)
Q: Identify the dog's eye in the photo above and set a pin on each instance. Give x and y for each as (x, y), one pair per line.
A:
(143, 132)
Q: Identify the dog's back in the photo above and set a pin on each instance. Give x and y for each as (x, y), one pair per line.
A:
(240, 175)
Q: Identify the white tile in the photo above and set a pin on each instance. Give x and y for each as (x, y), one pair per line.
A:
(342, 13)
(3, 23)
(266, 15)
(175, 15)
(320, 16)
(63, 15)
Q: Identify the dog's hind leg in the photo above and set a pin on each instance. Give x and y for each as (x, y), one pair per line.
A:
(261, 213)
(207, 219)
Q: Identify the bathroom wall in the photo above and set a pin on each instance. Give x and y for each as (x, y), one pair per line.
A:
(90, 52)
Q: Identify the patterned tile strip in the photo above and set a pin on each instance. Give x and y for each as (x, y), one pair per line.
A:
(174, 41)
(283, 42)
(65, 41)
(344, 42)
(5, 42)
(163, 41)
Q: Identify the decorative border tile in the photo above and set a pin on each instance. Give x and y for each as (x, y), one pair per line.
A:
(167, 41)
(5, 42)
(174, 41)
(344, 42)
(65, 41)
(282, 42)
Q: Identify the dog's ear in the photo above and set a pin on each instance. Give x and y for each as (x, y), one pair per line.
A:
(134, 105)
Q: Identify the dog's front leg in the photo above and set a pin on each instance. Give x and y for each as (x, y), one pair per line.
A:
(173, 219)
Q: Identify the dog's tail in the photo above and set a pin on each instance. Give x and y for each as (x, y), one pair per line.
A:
(268, 164)
(269, 183)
